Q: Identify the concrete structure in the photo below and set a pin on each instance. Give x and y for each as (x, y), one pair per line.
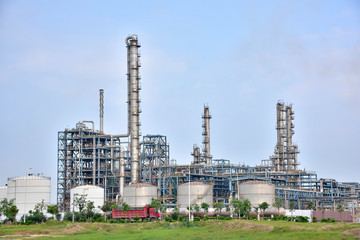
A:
(139, 194)
(29, 191)
(90, 193)
(257, 192)
(199, 192)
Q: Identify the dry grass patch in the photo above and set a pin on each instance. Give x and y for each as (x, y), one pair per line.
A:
(355, 233)
(247, 226)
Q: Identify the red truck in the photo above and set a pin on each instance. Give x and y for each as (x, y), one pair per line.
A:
(142, 213)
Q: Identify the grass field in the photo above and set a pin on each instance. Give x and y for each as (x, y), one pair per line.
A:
(234, 229)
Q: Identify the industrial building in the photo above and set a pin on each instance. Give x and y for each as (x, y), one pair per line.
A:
(135, 168)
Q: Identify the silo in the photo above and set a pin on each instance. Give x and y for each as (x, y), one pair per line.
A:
(90, 193)
(139, 194)
(3, 192)
(199, 192)
(29, 191)
(257, 192)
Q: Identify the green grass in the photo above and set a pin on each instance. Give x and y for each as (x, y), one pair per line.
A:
(234, 229)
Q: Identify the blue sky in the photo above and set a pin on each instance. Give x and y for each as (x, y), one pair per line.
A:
(240, 57)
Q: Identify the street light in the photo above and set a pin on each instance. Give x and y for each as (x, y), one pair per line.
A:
(189, 194)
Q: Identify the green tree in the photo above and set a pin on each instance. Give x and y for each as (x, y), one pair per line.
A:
(236, 205)
(278, 204)
(126, 208)
(292, 209)
(90, 209)
(205, 206)
(263, 206)
(197, 208)
(218, 206)
(8, 209)
(246, 208)
(40, 207)
(107, 207)
(310, 205)
(340, 209)
(53, 209)
(156, 203)
(257, 212)
(80, 203)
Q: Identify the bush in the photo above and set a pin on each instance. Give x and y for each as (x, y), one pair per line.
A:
(174, 215)
(113, 221)
(180, 218)
(122, 220)
(196, 219)
(221, 218)
(252, 217)
(100, 219)
(169, 219)
(314, 219)
(205, 218)
(228, 218)
(136, 219)
(301, 219)
(327, 220)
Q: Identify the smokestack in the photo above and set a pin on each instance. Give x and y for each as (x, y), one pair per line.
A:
(134, 104)
(101, 110)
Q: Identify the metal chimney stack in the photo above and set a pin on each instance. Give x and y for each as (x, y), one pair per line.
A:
(101, 91)
(206, 133)
(134, 104)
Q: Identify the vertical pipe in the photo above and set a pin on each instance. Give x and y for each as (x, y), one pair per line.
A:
(94, 160)
(122, 172)
(133, 82)
(101, 110)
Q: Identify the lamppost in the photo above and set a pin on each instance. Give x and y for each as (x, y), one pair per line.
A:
(189, 195)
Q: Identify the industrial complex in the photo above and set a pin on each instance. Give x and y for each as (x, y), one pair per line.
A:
(134, 168)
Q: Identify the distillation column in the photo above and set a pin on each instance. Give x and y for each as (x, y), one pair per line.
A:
(280, 128)
(206, 133)
(291, 150)
(101, 91)
(134, 103)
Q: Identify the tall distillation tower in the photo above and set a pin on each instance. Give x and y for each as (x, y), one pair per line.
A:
(133, 78)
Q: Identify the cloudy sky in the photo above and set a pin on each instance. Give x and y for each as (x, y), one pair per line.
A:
(239, 57)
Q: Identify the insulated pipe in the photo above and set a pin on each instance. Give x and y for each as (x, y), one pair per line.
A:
(101, 110)
(134, 104)
(122, 172)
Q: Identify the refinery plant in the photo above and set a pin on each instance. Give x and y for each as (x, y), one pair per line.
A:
(135, 168)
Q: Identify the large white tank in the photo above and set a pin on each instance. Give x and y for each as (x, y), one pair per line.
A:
(257, 192)
(199, 192)
(90, 192)
(29, 191)
(139, 194)
(3, 192)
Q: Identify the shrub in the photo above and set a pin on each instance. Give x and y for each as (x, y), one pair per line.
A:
(113, 221)
(169, 219)
(174, 215)
(196, 219)
(122, 220)
(221, 218)
(228, 218)
(314, 219)
(205, 218)
(181, 218)
(252, 217)
(301, 219)
(100, 219)
(136, 219)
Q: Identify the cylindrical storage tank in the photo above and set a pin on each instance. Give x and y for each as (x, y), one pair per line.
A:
(90, 193)
(29, 191)
(139, 194)
(257, 192)
(199, 192)
(3, 192)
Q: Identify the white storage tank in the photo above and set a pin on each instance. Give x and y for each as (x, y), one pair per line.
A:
(90, 193)
(139, 194)
(3, 192)
(257, 192)
(29, 191)
(199, 192)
